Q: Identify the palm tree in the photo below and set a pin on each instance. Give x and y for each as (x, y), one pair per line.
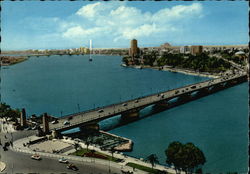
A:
(87, 143)
(153, 159)
(112, 150)
(76, 146)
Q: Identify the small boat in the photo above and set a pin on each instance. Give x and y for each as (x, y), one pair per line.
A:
(124, 65)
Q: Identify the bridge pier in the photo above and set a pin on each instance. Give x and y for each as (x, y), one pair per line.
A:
(131, 115)
(203, 92)
(184, 97)
(90, 128)
(217, 87)
(162, 104)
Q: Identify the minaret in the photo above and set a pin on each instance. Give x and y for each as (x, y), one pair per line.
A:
(45, 123)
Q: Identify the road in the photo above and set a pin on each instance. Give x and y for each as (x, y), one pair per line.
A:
(116, 109)
(17, 162)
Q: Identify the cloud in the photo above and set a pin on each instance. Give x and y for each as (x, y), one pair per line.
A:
(113, 23)
(117, 21)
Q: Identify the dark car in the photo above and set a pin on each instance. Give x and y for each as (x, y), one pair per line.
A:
(72, 167)
(70, 118)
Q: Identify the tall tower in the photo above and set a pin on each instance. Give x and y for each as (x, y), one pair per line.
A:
(45, 123)
(133, 51)
(23, 118)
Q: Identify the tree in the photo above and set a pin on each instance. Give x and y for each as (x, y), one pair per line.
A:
(87, 143)
(153, 159)
(184, 157)
(112, 150)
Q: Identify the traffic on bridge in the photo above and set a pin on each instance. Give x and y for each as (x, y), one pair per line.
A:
(98, 114)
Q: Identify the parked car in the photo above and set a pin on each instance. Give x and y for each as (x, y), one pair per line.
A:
(124, 104)
(36, 157)
(72, 167)
(63, 160)
(100, 111)
(193, 87)
(136, 101)
(70, 118)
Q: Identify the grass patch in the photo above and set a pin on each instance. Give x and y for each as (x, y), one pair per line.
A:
(146, 169)
(95, 154)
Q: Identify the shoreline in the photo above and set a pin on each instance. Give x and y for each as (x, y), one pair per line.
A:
(174, 70)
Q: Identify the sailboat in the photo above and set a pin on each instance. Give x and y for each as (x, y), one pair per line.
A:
(90, 49)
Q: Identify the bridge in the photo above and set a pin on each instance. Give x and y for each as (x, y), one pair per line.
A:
(130, 109)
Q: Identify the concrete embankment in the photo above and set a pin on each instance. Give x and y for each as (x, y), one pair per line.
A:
(177, 70)
(125, 147)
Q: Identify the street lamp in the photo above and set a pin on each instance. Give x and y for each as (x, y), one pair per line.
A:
(78, 107)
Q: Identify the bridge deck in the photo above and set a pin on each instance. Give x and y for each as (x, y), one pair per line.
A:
(116, 109)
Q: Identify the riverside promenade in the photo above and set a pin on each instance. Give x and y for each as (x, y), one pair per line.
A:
(18, 147)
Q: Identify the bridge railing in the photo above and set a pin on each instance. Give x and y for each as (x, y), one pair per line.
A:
(145, 96)
(111, 105)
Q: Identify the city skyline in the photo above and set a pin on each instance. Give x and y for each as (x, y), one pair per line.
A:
(61, 25)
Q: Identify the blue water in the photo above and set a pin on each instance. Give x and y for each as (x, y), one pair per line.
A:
(217, 124)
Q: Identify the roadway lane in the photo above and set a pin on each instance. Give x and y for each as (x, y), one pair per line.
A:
(22, 163)
(17, 162)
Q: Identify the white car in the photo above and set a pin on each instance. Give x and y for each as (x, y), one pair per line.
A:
(63, 160)
(99, 111)
(36, 157)
(66, 123)
(54, 122)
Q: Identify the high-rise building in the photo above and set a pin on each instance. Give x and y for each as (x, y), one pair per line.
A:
(134, 50)
(196, 49)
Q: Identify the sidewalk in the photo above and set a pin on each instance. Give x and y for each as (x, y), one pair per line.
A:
(2, 166)
(18, 146)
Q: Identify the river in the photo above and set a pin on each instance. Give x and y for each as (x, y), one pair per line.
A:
(60, 85)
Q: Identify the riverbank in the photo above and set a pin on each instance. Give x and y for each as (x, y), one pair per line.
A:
(176, 70)
(11, 60)
(122, 164)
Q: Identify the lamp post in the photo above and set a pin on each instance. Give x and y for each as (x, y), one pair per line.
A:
(78, 106)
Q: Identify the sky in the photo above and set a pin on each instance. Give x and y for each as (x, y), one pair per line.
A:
(112, 24)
